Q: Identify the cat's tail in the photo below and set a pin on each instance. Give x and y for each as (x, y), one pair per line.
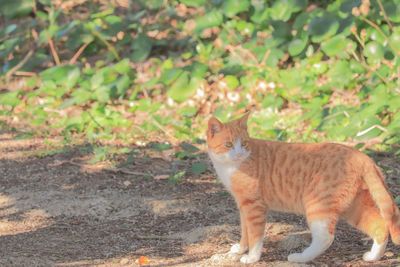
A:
(374, 180)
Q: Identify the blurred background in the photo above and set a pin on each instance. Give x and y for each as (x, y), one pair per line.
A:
(156, 70)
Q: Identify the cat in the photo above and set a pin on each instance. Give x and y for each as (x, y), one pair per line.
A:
(323, 181)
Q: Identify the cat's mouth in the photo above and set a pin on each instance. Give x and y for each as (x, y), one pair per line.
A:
(240, 157)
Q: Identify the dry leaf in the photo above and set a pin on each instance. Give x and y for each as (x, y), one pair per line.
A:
(161, 177)
(143, 260)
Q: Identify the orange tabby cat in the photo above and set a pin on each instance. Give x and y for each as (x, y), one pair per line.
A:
(324, 182)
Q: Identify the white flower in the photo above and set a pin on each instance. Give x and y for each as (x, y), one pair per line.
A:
(140, 143)
(271, 85)
(233, 96)
(200, 93)
(222, 84)
(221, 95)
(262, 85)
(249, 97)
(170, 102)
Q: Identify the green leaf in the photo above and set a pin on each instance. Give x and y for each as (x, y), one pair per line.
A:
(198, 69)
(321, 28)
(231, 82)
(61, 74)
(170, 75)
(210, 19)
(141, 46)
(122, 85)
(183, 87)
(199, 168)
(123, 67)
(193, 3)
(282, 10)
(160, 146)
(189, 148)
(176, 177)
(10, 98)
(348, 5)
(72, 78)
(374, 50)
(233, 7)
(334, 45)
(297, 46)
(16, 8)
(102, 94)
(178, 89)
(392, 9)
(394, 40)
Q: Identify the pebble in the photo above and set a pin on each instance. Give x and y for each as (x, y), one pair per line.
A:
(124, 261)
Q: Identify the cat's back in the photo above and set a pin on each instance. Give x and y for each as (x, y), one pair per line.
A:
(308, 149)
(307, 158)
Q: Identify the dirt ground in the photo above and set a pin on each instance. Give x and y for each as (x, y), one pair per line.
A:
(58, 210)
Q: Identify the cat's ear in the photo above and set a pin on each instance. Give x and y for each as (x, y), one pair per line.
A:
(243, 120)
(214, 126)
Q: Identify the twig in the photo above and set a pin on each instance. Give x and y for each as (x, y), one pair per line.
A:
(20, 64)
(54, 52)
(384, 14)
(358, 38)
(94, 120)
(25, 73)
(78, 53)
(159, 126)
(109, 46)
(374, 26)
(160, 237)
(265, 57)
(371, 128)
(371, 70)
(244, 51)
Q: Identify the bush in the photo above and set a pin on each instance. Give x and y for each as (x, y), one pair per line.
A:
(310, 70)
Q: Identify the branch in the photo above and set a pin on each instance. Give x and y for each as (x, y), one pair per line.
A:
(78, 53)
(20, 64)
(54, 51)
(384, 14)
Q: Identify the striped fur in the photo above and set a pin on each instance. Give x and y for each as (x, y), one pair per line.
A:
(324, 182)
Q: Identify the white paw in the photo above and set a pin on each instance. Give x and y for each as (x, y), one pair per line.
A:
(235, 249)
(246, 259)
(297, 257)
(369, 256)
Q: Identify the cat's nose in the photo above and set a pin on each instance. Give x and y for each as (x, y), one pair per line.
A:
(238, 156)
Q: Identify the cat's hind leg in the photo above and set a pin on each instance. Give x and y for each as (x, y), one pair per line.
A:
(322, 238)
(364, 215)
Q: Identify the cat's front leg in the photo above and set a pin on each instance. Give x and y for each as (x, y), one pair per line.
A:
(242, 247)
(254, 221)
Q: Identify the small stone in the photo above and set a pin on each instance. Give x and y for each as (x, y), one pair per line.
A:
(124, 261)
(295, 241)
(127, 183)
(389, 254)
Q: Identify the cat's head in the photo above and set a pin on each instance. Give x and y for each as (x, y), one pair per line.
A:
(228, 142)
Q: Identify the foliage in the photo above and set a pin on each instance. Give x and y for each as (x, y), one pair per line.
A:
(309, 70)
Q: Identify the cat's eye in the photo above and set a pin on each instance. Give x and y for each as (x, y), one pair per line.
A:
(245, 143)
(228, 145)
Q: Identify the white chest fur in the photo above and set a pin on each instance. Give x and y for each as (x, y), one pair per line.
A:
(225, 169)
